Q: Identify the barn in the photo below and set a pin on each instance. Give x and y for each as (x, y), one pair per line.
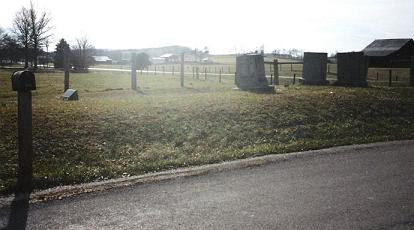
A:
(390, 53)
(102, 60)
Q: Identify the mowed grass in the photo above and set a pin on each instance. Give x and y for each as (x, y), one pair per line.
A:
(114, 132)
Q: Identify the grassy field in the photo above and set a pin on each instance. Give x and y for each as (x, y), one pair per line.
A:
(116, 132)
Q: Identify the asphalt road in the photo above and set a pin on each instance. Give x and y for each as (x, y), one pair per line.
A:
(371, 188)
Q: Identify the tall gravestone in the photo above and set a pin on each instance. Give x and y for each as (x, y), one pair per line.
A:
(352, 69)
(182, 70)
(250, 73)
(134, 71)
(314, 68)
(66, 57)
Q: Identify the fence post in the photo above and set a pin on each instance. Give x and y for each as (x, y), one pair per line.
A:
(155, 70)
(205, 73)
(220, 76)
(173, 70)
(134, 71)
(377, 76)
(271, 79)
(294, 78)
(270, 68)
(182, 70)
(24, 82)
(276, 72)
(390, 78)
(197, 72)
(66, 69)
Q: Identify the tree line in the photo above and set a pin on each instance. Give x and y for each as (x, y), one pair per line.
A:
(31, 31)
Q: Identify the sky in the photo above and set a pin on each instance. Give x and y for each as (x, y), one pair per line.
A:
(224, 26)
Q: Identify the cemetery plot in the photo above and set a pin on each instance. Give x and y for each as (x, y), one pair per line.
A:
(113, 131)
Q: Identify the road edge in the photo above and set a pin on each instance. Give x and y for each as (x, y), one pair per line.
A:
(73, 190)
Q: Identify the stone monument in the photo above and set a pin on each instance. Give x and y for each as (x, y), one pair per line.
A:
(352, 69)
(314, 68)
(250, 73)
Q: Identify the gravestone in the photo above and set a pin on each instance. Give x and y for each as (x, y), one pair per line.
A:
(352, 69)
(250, 73)
(70, 95)
(134, 71)
(314, 68)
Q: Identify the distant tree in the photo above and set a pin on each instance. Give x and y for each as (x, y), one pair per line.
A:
(200, 55)
(39, 31)
(61, 48)
(143, 61)
(82, 54)
(10, 50)
(206, 51)
(22, 30)
(116, 55)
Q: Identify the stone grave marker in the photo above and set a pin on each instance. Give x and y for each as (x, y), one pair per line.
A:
(71, 95)
(352, 69)
(250, 73)
(314, 68)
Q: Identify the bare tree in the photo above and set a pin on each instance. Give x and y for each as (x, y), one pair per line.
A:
(40, 30)
(21, 28)
(32, 30)
(82, 54)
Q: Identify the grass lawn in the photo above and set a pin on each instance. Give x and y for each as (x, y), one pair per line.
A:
(115, 132)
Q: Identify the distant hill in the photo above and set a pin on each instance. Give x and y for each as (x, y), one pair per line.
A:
(152, 52)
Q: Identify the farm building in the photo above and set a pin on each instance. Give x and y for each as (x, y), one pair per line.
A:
(169, 57)
(102, 60)
(390, 53)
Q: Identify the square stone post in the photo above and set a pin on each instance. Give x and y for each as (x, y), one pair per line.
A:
(182, 70)
(134, 71)
(276, 71)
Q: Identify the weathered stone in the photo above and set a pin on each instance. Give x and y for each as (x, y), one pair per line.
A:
(134, 71)
(250, 73)
(70, 95)
(352, 69)
(314, 68)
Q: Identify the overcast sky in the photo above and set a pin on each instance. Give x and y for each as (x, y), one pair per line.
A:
(225, 26)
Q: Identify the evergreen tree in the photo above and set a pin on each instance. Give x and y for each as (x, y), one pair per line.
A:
(61, 47)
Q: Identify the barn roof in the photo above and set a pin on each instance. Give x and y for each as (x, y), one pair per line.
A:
(385, 47)
(168, 55)
(101, 58)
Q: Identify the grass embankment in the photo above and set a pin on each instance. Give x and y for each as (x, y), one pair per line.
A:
(114, 132)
